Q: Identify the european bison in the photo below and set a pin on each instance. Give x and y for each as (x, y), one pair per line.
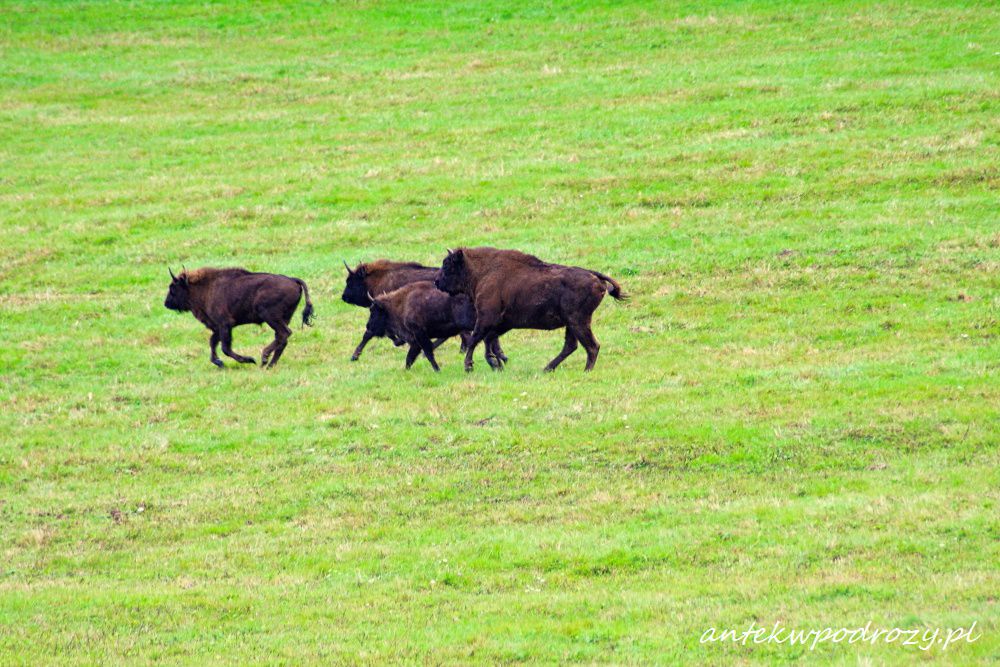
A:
(382, 276)
(416, 313)
(225, 298)
(513, 290)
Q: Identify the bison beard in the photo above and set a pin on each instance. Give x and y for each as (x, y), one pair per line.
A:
(225, 298)
(416, 313)
(513, 290)
(383, 276)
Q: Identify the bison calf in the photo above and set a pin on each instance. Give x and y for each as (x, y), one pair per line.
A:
(513, 290)
(416, 313)
(382, 276)
(225, 298)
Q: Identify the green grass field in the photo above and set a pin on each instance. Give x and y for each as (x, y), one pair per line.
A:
(795, 419)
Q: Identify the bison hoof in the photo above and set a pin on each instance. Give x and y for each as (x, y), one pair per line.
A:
(248, 360)
(218, 362)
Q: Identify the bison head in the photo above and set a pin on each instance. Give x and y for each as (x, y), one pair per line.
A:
(380, 323)
(355, 289)
(453, 276)
(179, 293)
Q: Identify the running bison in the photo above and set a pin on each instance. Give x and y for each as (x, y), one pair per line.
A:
(382, 276)
(225, 298)
(416, 313)
(513, 290)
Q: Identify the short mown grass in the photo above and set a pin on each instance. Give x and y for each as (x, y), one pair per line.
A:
(794, 419)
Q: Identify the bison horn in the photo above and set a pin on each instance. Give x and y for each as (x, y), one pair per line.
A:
(171, 272)
(349, 272)
(370, 297)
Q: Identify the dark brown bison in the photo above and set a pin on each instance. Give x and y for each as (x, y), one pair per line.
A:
(225, 298)
(513, 290)
(382, 276)
(418, 312)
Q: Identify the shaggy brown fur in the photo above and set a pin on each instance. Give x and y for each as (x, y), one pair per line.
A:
(225, 298)
(415, 313)
(514, 290)
(382, 276)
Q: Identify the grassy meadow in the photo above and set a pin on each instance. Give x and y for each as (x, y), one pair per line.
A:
(795, 418)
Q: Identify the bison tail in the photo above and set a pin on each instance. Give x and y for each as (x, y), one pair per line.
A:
(615, 289)
(307, 312)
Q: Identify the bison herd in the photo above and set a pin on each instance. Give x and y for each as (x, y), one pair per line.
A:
(478, 294)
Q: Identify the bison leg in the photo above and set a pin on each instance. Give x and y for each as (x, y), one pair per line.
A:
(357, 351)
(568, 347)
(428, 348)
(226, 336)
(490, 353)
(281, 334)
(265, 354)
(498, 351)
(487, 332)
(411, 355)
(494, 347)
(439, 342)
(589, 343)
(214, 343)
(470, 348)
